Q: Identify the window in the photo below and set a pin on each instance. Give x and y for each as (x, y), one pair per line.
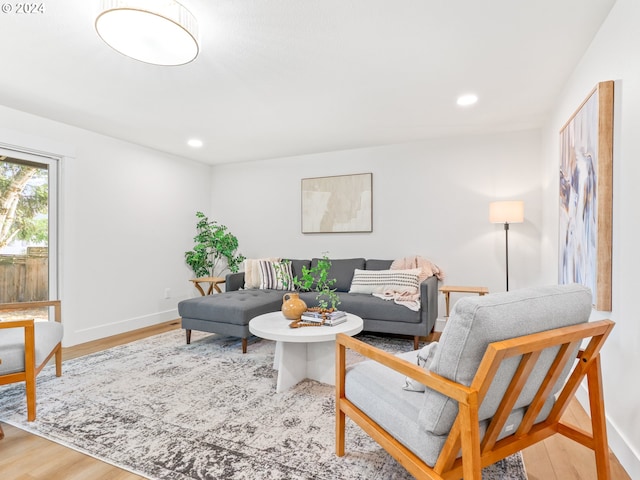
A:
(28, 228)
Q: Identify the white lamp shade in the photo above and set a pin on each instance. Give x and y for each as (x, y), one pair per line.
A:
(506, 212)
(161, 32)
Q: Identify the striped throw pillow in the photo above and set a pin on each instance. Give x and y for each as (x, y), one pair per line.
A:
(275, 277)
(379, 281)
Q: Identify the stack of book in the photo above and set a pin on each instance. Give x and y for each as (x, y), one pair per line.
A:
(334, 318)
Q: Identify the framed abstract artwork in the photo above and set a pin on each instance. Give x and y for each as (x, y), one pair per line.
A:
(586, 187)
(339, 204)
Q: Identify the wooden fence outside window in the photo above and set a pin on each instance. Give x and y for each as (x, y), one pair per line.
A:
(24, 278)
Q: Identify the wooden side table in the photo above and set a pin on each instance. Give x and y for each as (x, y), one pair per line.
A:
(212, 281)
(447, 289)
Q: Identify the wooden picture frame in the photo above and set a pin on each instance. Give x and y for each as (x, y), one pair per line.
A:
(338, 204)
(586, 194)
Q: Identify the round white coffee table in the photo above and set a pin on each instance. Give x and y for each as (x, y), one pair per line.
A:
(305, 352)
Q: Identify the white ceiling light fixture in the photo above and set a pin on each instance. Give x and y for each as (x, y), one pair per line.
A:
(160, 32)
(466, 100)
(195, 143)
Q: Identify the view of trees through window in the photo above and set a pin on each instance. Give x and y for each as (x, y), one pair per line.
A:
(24, 230)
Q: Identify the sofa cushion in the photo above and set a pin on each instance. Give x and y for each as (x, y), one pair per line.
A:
(477, 321)
(373, 264)
(275, 275)
(367, 306)
(237, 307)
(379, 281)
(296, 266)
(342, 270)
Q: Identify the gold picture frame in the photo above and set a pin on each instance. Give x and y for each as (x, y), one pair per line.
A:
(337, 204)
(586, 194)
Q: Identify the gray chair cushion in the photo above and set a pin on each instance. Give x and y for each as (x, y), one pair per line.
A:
(342, 270)
(477, 321)
(377, 391)
(47, 336)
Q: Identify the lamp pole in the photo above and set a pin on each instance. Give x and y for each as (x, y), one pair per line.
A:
(506, 212)
(506, 251)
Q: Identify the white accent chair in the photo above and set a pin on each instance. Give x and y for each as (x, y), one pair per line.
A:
(26, 346)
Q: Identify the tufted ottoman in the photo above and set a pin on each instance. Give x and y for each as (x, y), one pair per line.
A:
(228, 313)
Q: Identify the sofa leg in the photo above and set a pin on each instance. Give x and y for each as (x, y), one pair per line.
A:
(244, 345)
(188, 336)
(416, 342)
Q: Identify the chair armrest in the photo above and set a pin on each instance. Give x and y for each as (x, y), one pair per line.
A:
(429, 302)
(38, 304)
(17, 324)
(456, 391)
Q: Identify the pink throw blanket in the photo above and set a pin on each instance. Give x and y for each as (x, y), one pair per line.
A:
(427, 269)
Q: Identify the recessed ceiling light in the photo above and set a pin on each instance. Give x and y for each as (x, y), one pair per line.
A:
(160, 33)
(466, 100)
(195, 143)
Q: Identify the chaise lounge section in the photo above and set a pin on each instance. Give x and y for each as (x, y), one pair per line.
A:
(229, 313)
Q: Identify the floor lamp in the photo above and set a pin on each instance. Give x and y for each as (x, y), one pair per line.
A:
(506, 212)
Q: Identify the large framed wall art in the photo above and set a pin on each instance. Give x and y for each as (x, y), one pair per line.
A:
(341, 203)
(586, 187)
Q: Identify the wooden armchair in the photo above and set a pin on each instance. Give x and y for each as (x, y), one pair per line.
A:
(515, 397)
(26, 346)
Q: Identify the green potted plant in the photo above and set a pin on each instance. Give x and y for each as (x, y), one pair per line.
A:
(317, 279)
(214, 243)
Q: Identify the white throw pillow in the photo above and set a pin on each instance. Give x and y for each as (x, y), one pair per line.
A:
(425, 356)
(379, 281)
(252, 271)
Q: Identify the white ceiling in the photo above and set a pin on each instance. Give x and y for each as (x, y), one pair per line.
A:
(278, 78)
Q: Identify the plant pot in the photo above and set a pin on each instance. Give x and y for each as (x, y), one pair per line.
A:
(293, 306)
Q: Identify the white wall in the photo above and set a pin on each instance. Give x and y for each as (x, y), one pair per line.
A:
(430, 198)
(127, 217)
(613, 55)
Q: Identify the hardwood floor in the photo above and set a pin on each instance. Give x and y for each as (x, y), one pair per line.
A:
(28, 457)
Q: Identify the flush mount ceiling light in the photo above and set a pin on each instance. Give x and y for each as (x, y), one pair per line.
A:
(194, 142)
(466, 100)
(161, 32)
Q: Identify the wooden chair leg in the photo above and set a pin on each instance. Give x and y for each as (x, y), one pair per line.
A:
(340, 430)
(59, 360)
(188, 336)
(31, 395)
(598, 420)
(341, 359)
(244, 345)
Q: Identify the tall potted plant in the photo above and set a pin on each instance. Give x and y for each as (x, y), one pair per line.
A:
(214, 243)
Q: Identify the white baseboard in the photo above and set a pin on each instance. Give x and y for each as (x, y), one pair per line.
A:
(629, 459)
(76, 337)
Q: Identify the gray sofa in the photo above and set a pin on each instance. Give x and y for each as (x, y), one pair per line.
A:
(229, 313)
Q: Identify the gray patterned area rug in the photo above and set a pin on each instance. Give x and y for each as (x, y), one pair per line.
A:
(166, 410)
